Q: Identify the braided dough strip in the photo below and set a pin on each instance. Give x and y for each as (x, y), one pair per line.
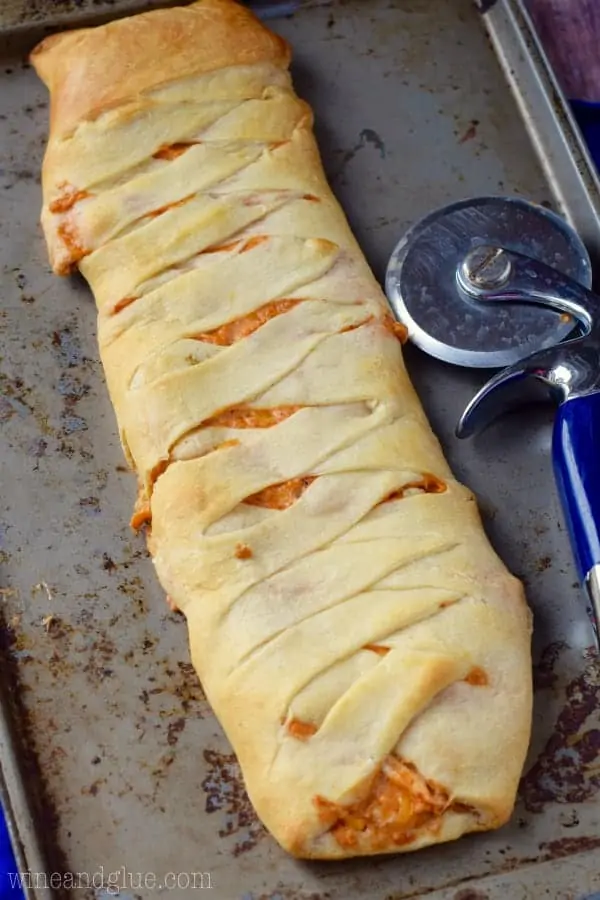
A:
(364, 648)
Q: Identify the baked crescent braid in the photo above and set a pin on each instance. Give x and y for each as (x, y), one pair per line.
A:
(362, 645)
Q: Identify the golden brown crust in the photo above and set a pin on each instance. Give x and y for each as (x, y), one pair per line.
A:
(87, 76)
(345, 609)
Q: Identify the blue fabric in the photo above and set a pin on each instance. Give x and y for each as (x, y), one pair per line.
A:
(7, 864)
(588, 119)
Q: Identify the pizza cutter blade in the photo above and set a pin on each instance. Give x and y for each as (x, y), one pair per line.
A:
(502, 283)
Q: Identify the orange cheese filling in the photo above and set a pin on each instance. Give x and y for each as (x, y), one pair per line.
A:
(141, 513)
(69, 196)
(477, 677)
(356, 325)
(243, 551)
(240, 328)
(300, 730)
(246, 417)
(283, 495)
(445, 604)
(379, 649)
(244, 245)
(219, 248)
(428, 484)
(172, 151)
(398, 802)
(396, 328)
(126, 301)
(68, 235)
(253, 242)
(280, 496)
(168, 206)
(399, 330)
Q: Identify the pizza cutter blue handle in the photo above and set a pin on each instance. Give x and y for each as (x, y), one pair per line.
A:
(576, 457)
(568, 374)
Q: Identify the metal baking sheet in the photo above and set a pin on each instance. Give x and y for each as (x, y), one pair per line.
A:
(563, 154)
(117, 744)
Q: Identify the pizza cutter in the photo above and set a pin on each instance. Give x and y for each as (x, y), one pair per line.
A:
(502, 283)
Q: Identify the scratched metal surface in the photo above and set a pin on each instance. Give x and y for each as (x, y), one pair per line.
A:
(24, 15)
(122, 751)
